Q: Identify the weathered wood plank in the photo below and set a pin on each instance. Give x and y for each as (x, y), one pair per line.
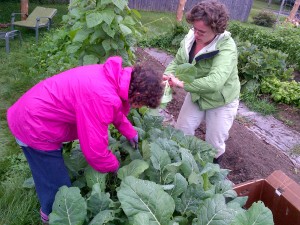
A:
(238, 9)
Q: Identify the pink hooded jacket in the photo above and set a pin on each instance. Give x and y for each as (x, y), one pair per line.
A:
(79, 103)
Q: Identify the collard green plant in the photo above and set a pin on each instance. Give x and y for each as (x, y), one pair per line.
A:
(69, 207)
(186, 72)
(170, 180)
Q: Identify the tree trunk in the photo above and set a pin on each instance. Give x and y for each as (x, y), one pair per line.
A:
(269, 3)
(24, 9)
(180, 9)
(294, 10)
(279, 12)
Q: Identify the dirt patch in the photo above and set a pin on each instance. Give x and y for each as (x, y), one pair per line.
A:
(247, 156)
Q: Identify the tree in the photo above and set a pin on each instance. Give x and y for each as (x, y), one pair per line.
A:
(294, 11)
(24, 9)
(180, 9)
(269, 3)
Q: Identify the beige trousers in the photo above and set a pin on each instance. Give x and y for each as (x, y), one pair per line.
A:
(218, 121)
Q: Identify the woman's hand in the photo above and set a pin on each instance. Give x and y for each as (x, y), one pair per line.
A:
(173, 81)
(167, 77)
(176, 82)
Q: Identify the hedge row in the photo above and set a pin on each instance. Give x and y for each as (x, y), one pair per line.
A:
(287, 42)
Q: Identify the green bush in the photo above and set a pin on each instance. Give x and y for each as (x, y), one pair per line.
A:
(90, 33)
(286, 92)
(257, 63)
(289, 44)
(265, 19)
(169, 42)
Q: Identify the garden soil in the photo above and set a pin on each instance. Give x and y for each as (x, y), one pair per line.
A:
(248, 156)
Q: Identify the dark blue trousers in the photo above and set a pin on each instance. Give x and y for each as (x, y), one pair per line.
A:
(49, 173)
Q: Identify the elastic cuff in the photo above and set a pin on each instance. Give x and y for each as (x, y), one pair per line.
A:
(44, 217)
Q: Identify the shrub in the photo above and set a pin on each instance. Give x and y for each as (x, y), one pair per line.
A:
(91, 32)
(279, 40)
(265, 19)
(169, 42)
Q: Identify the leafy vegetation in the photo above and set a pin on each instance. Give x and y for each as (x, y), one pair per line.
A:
(169, 180)
(277, 40)
(264, 18)
(282, 91)
(91, 32)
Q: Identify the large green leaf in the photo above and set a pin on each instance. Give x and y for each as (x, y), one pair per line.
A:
(94, 177)
(180, 185)
(141, 219)
(159, 158)
(81, 35)
(197, 146)
(189, 164)
(125, 30)
(75, 160)
(171, 147)
(106, 45)
(226, 188)
(90, 59)
(213, 211)
(103, 217)
(257, 214)
(134, 168)
(93, 19)
(186, 72)
(69, 207)
(108, 16)
(190, 199)
(108, 30)
(98, 201)
(170, 171)
(141, 196)
(120, 3)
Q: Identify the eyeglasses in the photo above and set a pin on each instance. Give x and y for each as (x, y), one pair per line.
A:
(199, 32)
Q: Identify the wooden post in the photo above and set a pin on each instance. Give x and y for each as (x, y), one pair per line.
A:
(180, 9)
(24, 9)
(294, 10)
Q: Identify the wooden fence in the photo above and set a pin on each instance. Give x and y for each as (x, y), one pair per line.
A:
(238, 9)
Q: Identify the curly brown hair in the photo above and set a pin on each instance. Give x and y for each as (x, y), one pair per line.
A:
(212, 13)
(146, 87)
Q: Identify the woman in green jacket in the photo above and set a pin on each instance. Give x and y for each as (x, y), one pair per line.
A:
(213, 95)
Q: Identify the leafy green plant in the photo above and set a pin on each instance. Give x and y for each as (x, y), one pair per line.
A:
(287, 43)
(255, 102)
(282, 91)
(169, 180)
(91, 32)
(186, 72)
(264, 18)
(256, 63)
(169, 41)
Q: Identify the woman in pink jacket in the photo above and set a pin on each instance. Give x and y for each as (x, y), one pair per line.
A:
(79, 103)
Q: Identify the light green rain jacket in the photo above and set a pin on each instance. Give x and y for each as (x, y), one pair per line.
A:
(217, 82)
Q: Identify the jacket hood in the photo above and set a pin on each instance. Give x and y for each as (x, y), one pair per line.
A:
(190, 38)
(118, 75)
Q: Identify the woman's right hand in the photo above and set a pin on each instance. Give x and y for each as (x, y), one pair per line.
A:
(168, 76)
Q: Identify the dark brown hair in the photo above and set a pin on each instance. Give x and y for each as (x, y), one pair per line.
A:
(146, 88)
(212, 13)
